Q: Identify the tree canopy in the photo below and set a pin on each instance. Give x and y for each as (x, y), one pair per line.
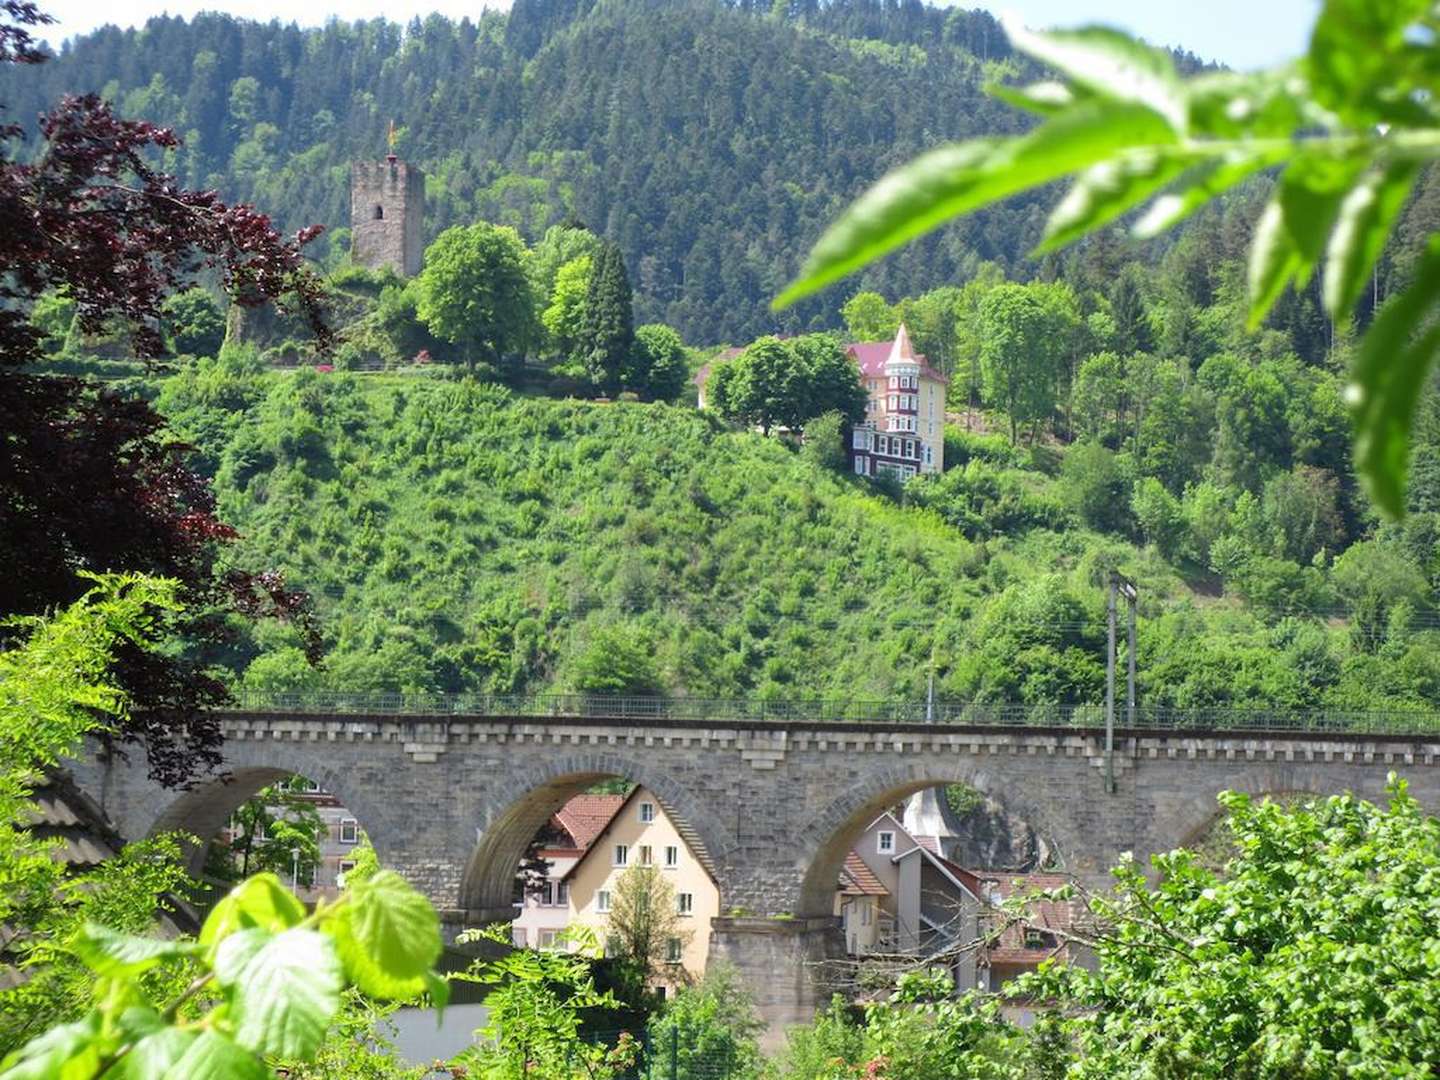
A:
(474, 291)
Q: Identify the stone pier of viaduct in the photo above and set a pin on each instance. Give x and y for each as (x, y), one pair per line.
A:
(453, 802)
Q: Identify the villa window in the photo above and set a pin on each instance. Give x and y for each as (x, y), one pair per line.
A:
(929, 456)
(562, 893)
(346, 865)
(547, 895)
(546, 939)
(672, 950)
(622, 855)
(519, 936)
(894, 382)
(349, 831)
(647, 813)
(885, 843)
(672, 856)
(864, 914)
(685, 903)
(894, 402)
(859, 465)
(602, 900)
(647, 855)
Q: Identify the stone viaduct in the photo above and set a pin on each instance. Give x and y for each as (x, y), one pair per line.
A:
(452, 802)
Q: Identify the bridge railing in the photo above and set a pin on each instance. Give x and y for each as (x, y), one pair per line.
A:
(721, 711)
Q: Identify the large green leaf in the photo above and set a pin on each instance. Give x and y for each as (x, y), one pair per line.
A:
(1208, 181)
(109, 952)
(1260, 105)
(1388, 375)
(1364, 222)
(1353, 57)
(1043, 98)
(66, 1052)
(284, 997)
(1111, 64)
(956, 179)
(1291, 233)
(259, 901)
(155, 1056)
(1105, 191)
(388, 936)
(214, 1057)
(236, 951)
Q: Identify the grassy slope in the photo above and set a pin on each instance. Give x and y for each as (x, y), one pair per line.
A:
(458, 538)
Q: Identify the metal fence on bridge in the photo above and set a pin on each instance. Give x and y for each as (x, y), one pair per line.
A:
(722, 711)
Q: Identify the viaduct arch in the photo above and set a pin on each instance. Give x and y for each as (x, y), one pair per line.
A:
(452, 802)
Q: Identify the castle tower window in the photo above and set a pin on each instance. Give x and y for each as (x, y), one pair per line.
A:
(379, 213)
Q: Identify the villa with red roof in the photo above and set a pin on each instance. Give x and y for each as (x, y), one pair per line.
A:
(903, 432)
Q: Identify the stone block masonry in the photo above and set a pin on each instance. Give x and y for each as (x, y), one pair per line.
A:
(452, 802)
(387, 215)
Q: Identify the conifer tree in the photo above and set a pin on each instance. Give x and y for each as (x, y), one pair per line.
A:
(607, 331)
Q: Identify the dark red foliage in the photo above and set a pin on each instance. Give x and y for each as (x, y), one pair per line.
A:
(89, 479)
(18, 45)
(92, 215)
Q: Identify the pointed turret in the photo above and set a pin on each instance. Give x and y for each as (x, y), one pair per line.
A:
(901, 351)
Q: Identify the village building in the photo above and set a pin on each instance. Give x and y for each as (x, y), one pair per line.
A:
(920, 903)
(544, 908)
(903, 431)
(643, 833)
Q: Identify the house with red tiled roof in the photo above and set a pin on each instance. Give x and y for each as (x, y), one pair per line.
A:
(544, 909)
(903, 432)
(927, 905)
(1041, 935)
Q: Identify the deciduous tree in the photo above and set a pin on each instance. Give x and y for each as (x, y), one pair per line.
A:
(474, 292)
(90, 480)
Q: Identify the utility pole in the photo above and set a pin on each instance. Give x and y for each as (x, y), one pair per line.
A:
(1110, 690)
(1119, 584)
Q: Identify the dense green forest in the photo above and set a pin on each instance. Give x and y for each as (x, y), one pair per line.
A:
(711, 142)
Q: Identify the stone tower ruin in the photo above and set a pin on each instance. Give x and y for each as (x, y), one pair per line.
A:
(387, 215)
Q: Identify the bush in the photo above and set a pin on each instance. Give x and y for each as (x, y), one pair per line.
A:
(825, 442)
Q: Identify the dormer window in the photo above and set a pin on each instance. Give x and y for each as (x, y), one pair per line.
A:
(885, 844)
(379, 214)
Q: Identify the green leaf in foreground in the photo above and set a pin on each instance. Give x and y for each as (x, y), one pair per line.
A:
(155, 1056)
(260, 901)
(109, 952)
(1290, 236)
(1109, 63)
(65, 1052)
(1105, 191)
(285, 996)
(1366, 215)
(213, 1057)
(1387, 378)
(954, 180)
(388, 935)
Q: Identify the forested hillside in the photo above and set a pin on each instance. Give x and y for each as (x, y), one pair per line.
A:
(460, 538)
(712, 142)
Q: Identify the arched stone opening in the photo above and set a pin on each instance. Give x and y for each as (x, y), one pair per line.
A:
(378, 214)
(205, 811)
(832, 834)
(526, 802)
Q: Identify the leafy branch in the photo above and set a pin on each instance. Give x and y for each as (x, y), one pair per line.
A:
(1350, 125)
(275, 976)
